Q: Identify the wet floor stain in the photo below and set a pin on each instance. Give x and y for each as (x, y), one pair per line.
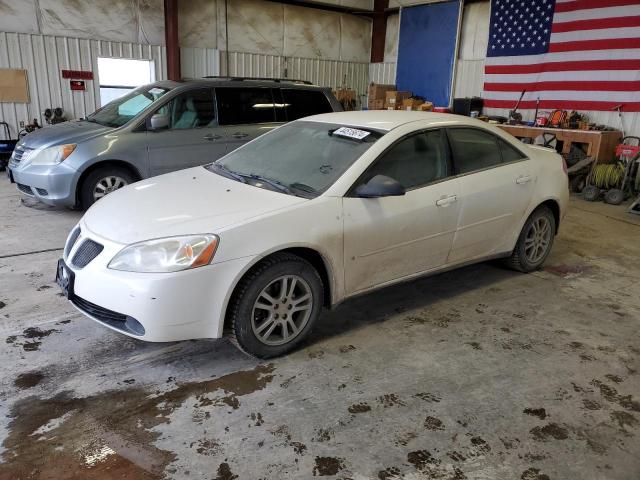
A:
(549, 431)
(541, 413)
(624, 420)
(533, 474)
(225, 473)
(390, 473)
(94, 437)
(28, 380)
(359, 408)
(433, 423)
(390, 400)
(31, 338)
(327, 466)
(567, 271)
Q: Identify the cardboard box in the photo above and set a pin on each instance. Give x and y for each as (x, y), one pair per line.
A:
(411, 104)
(375, 104)
(377, 91)
(345, 94)
(426, 107)
(394, 99)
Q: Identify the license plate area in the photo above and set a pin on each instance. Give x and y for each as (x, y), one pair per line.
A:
(65, 279)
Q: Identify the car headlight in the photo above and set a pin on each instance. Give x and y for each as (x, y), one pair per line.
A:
(170, 254)
(52, 155)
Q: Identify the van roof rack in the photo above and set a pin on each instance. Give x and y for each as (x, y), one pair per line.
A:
(277, 80)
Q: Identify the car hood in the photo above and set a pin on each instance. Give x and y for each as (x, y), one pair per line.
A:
(179, 203)
(68, 132)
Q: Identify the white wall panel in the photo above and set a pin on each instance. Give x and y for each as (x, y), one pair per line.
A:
(45, 56)
(199, 62)
(384, 73)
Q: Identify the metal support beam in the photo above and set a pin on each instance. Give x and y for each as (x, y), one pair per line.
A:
(379, 30)
(171, 39)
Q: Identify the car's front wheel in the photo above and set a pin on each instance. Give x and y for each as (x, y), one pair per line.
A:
(535, 241)
(275, 306)
(101, 182)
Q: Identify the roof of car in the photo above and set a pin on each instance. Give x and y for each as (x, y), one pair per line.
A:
(387, 120)
(240, 82)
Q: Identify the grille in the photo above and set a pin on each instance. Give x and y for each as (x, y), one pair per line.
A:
(71, 241)
(42, 191)
(100, 313)
(86, 252)
(19, 153)
(24, 188)
(116, 320)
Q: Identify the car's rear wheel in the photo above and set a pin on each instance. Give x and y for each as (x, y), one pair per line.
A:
(535, 241)
(275, 306)
(103, 181)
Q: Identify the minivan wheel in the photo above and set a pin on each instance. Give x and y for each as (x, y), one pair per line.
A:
(101, 182)
(535, 241)
(275, 306)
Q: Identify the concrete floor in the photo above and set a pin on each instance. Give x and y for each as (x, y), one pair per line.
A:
(480, 373)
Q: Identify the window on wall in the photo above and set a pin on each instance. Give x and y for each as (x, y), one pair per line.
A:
(118, 76)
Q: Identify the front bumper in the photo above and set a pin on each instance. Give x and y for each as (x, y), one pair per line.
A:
(51, 184)
(169, 306)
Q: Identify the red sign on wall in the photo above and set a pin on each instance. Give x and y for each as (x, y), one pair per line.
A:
(77, 85)
(83, 74)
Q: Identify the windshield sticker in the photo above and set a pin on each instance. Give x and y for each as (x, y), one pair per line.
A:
(351, 133)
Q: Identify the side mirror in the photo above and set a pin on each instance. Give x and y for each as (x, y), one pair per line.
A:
(159, 121)
(380, 186)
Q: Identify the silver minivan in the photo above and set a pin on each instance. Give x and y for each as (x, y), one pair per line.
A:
(155, 129)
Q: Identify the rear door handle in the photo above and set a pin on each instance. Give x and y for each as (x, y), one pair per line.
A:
(446, 200)
(523, 179)
(211, 136)
(240, 135)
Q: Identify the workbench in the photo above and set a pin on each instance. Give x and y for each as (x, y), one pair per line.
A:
(601, 145)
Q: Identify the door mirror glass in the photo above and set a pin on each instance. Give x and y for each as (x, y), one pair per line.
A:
(380, 186)
(159, 121)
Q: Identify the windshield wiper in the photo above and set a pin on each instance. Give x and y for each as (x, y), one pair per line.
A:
(303, 187)
(226, 172)
(274, 183)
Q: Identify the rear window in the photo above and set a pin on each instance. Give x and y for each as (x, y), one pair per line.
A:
(238, 106)
(302, 103)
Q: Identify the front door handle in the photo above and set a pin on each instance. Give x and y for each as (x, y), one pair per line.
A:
(240, 135)
(211, 136)
(446, 200)
(523, 179)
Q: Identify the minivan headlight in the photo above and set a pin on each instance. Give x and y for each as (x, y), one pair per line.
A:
(52, 155)
(170, 254)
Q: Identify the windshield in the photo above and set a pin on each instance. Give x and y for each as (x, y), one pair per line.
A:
(299, 158)
(123, 109)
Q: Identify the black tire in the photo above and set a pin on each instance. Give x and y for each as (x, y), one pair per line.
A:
(578, 183)
(90, 183)
(614, 196)
(591, 193)
(241, 308)
(519, 259)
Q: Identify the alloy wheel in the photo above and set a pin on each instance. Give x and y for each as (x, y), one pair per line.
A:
(282, 310)
(538, 239)
(107, 185)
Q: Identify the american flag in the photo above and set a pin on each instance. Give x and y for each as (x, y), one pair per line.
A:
(571, 54)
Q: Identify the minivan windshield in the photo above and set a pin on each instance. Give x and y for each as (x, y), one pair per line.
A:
(301, 158)
(123, 109)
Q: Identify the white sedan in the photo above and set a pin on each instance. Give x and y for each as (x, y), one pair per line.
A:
(314, 212)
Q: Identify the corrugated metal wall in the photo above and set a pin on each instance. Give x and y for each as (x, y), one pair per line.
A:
(45, 56)
(327, 73)
(384, 73)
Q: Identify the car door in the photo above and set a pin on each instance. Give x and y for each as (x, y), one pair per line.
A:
(191, 136)
(496, 186)
(393, 237)
(245, 113)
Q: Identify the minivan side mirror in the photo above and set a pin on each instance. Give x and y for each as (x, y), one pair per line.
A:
(159, 121)
(380, 186)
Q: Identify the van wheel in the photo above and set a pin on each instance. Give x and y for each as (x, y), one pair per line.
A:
(275, 306)
(101, 182)
(535, 241)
